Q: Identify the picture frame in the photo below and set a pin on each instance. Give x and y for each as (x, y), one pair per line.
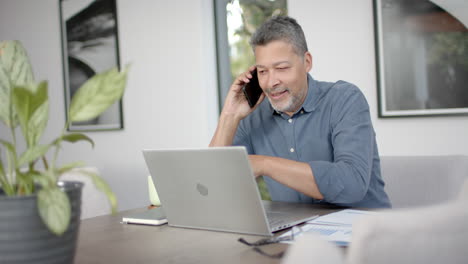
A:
(421, 57)
(89, 32)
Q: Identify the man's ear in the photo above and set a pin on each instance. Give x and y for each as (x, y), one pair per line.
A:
(308, 61)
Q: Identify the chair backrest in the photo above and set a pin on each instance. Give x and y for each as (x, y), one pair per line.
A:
(93, 201)
(430, 235)
(423, 180)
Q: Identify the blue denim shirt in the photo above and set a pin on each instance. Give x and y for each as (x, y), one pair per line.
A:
(333, 133)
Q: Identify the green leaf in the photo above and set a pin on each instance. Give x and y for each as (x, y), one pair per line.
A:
(69, 166)
(73, 138)
(97, 94)
(10, 153)
(32, 106)
(43, 178)
(2, 171)
(15, 69)
(7, 188)
(8, 145)
(24, 182)
(103, 187)
(5, 99)
(6, 185)
(33, 153)
(54, 209)
(37, 123)
(15, 60)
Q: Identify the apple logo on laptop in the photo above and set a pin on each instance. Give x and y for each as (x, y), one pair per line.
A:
(202, 189)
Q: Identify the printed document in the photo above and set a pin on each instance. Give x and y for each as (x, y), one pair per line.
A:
(335, 227)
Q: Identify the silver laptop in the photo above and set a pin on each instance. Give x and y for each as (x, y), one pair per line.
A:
(214, 189)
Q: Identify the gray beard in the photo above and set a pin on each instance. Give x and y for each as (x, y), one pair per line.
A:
(292, 106)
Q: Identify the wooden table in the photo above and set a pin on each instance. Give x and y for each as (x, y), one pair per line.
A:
(104, 239)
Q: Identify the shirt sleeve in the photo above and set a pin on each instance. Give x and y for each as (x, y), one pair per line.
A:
(242, 138)
(346, 179)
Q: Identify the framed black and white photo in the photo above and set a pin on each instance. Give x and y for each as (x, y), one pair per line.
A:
(422, 57)
(89, 46)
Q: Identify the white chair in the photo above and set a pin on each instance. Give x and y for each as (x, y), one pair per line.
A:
(93, 201)
(423, 180)
(430, 234)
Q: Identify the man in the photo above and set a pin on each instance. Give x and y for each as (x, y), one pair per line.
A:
(313, 140)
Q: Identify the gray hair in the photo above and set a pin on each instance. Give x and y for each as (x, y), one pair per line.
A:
(280, 28)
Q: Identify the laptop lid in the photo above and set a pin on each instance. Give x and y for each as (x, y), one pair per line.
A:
(209, 188)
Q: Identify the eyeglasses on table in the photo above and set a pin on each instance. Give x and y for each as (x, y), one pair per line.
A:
(295, 231)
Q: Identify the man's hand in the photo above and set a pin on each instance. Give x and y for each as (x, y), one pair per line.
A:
(234, 110)
(236, 104)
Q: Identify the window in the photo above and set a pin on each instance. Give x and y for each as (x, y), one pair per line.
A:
(236, 21)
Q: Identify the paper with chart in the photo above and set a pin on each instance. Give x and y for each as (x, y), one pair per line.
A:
(335, 227)
(341, 218)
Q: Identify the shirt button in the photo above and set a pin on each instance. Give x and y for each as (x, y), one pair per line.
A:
(291, 150)
(302, 111)
(290, 120)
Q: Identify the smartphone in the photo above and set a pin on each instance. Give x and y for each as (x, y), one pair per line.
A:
(154, 216)
(252, 90)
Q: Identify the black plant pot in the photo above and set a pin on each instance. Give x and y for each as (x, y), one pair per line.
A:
(24, 238)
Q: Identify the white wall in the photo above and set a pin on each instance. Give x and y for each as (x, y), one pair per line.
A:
(340, 35)
(171, 98)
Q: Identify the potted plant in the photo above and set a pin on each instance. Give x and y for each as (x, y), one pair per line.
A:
(39, 214)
